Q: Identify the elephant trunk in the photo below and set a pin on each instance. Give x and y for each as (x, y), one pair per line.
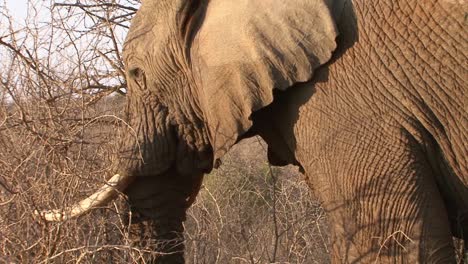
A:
(158, 241)
(157, 210)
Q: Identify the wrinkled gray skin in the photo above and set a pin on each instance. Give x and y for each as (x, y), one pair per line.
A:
(369, 98)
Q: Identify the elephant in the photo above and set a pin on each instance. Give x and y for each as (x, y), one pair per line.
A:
(367, 98)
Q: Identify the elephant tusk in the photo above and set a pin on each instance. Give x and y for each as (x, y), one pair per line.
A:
(105, 194)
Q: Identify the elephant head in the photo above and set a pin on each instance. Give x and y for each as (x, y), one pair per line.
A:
(196, 72)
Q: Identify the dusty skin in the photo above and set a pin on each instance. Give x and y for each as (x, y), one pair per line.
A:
(368, 98)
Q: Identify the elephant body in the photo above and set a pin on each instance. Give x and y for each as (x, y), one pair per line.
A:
(381, 133)
(368, 98)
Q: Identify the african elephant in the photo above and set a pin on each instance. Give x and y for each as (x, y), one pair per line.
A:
(368, 98)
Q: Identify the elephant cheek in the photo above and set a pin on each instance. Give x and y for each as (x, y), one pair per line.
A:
(145, 156)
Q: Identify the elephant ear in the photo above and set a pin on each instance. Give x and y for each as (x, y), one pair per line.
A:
(246, 48)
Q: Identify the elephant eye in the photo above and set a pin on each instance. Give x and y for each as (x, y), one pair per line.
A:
(138, 75)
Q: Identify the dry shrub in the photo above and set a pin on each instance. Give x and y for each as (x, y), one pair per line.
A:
(58, 125)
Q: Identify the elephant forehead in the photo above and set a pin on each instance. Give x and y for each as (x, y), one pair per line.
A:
(144, 42)
(151, 24)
